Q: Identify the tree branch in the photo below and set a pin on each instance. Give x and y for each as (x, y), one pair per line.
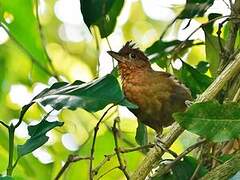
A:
(225, 170)
(121, 150)
(4, 124)
(94, 141)
(156, 153)
(71, 158)
(166, 168)
(122, 166)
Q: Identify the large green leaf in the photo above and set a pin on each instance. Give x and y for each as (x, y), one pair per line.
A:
(18, 17)
(214, 121)
(37, 135)
(6, 178)
(92, 96)
(193, 79)
(161, 49)
(195, 8)
(101, 13)
(212, 52)
(212, 48)
(183, 170)
(141, 134)
(202, 67)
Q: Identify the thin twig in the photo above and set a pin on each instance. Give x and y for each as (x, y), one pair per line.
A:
(101, 164)
(219, 32)
(97, 46)
(108, 171)
(176, 49)
(125, 140)
(121, 150)
(232, 35)
(94, 141)
(200, 161)
(228, 6)
(127, 150)
(217, 159)
(122, 166)
(43, 41)
(161, 145)
(109, 45)
(195, 173)
(4, 124)
(71, 158)
(184, 153)
(22, 113)
(11, 131)
(166, 29)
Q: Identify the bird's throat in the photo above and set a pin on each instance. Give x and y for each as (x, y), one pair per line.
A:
(133, 81)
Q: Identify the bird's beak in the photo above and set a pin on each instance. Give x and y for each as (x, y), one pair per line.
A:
(115, 55)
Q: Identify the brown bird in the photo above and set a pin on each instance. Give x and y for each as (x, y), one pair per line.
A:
(157, 94)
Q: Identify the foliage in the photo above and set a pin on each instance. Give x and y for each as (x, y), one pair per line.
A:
(92, 96)
(211, 120)
(183, 170)
(102, 14)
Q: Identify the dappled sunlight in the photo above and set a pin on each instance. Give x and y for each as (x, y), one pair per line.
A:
(3, 36)
(43, 155)
(19, 94)
(68, 11)
(69, 142)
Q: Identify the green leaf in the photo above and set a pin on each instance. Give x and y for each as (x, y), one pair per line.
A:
(195, 8)
(6, 178)
(214, 121)
(202, 67)
(18, 17)
(92, 96)
(183, 170)
(161, 49)
(141, 134)
(102, 14)
(193, 79)
(212, 48)
(128, 104)
(212, 53)
(38, 136)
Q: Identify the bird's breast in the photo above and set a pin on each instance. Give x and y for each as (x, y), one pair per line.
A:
(135, 89)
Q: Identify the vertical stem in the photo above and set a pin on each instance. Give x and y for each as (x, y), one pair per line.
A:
(11, 131)
(109, 45)
(97, 46)
(43, 42)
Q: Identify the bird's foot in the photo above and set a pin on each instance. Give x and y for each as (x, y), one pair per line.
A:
(163, 146)
(189, 103)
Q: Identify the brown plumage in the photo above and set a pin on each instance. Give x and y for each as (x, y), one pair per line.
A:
(157, 94)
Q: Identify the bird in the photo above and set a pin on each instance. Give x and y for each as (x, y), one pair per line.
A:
(157, 94)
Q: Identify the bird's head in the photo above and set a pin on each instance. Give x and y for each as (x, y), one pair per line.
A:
(130, 56)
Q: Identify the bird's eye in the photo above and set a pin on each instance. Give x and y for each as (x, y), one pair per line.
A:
(132, 56)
